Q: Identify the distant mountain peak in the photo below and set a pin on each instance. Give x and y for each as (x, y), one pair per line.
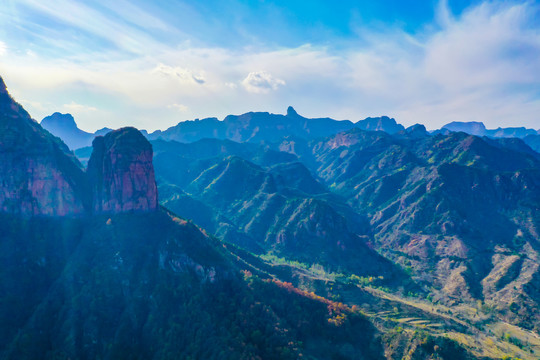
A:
(291, 112)
(59, 120)
(382, 123)
(416, 131)
(471, 127)
(65, 127)
(104, 131)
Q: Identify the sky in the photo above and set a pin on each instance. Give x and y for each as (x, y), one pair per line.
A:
(154, 63)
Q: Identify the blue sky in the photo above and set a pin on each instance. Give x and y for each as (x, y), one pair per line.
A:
(152, 64)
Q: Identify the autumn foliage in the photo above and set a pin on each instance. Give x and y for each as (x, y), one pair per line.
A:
(337, 311)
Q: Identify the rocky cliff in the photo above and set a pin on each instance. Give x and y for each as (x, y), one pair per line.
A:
(38, 174)
(121, 173)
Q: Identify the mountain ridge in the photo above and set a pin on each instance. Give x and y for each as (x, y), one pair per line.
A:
(125, 284)
(261, 127)
(355, 245)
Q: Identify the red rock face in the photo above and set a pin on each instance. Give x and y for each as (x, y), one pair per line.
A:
(35, 186)
(38, 175)
(121, 173)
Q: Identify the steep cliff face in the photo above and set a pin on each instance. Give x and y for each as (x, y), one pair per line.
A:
(38, 174)
(121, 173)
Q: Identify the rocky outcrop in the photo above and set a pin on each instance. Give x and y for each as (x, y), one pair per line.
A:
(121, 173)
(38, 174)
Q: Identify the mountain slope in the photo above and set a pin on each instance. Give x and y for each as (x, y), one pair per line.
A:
(130, 284)
(275, 209)
(530, 136)
(152, 285)
(447, 207)
(533, 141)
(128, 279)
(39, 175)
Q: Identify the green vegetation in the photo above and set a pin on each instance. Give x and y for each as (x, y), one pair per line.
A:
(357, 246)
(155, 286)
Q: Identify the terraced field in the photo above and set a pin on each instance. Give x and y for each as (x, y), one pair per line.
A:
(475, 329)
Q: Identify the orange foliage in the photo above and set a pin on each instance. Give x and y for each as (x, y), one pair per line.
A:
(336, 310)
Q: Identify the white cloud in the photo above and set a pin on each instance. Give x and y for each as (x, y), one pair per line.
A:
(34, 105)
(184, 75)
(128, 33)
(78, 108)
(481, 65)
(490, 46)
(3, 48)
(261, 82)
(178, 107)
(443, 14)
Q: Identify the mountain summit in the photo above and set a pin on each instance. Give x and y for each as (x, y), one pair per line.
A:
(291, 112)
(64, 126)
(59, 120)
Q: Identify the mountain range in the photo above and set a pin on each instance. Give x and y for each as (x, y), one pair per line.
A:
(98, 270)
(268, 236)
(479, 129)
(252, 127)
(447, 207)
(266, 127)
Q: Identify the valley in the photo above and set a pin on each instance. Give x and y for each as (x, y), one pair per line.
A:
(269, 180)
(312, 238)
